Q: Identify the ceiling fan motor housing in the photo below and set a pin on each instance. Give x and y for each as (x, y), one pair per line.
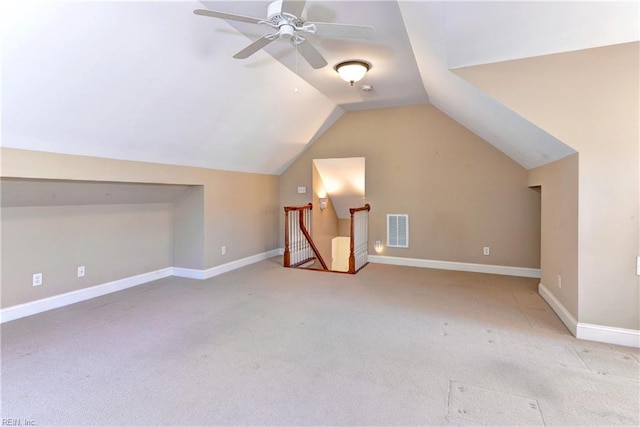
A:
(274, 13)
(278, 18)
(274, 8)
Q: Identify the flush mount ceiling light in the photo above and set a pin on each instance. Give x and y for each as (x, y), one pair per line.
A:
(352, 71)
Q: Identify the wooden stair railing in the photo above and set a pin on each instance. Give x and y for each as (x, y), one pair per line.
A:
(297, 239)
(359, 238)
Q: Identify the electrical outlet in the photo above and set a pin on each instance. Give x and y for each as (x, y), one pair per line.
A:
(224, 250)
(486, 250)
(559, 281)
(37, 279)
(81, 271)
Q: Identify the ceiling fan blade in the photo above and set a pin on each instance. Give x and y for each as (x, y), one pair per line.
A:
(311, 54)
(255, 46)
(326, 29)
(227, 16)
(293, 7)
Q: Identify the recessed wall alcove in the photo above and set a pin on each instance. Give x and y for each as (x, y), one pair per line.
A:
(113, 229)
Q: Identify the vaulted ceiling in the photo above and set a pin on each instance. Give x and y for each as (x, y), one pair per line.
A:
(151, 81)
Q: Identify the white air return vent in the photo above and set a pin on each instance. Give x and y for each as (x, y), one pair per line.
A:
(397, 230)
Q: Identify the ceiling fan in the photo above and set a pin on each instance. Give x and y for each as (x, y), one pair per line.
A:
(284, 16)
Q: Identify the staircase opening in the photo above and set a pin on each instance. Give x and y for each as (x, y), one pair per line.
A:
(336, 221)
(300, 251)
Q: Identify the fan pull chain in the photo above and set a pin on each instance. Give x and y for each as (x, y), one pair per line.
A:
(297, 77)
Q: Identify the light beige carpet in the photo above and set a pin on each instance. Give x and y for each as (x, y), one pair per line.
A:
(265, 345)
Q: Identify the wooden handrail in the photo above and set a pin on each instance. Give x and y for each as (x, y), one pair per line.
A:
(366, 207)
(288, 209)
(305, 232)
(313, 245)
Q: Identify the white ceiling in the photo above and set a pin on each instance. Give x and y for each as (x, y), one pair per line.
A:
(151, 81)
(394, 74)
(486, 32)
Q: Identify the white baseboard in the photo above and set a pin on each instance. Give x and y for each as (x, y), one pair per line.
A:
(57, 301)
(189, 273)
(609, 334)
(192, 273)
(457, 266)
(233, 265)
(587, 331)
(564, 315)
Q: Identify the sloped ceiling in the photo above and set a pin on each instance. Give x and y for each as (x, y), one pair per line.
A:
(343, 180)
(447, 35)
(151, 81)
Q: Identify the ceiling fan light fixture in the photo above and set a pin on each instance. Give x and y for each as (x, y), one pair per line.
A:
(352, 71)
(286, 18)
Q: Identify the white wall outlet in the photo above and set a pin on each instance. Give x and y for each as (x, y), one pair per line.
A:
(37, 279)
(81, 271)
(302, 190)
(559, 281)
(223, 250)
(486, 250)
(638, 266)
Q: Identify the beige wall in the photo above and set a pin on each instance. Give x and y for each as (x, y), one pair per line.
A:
(589, 100)
(241, 210)
(111, 241)
(188, 228)
(344, 227)
(242, 213)
(460, 193)
(558, 182)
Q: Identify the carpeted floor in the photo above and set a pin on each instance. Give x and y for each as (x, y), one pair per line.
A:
(265, 345)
